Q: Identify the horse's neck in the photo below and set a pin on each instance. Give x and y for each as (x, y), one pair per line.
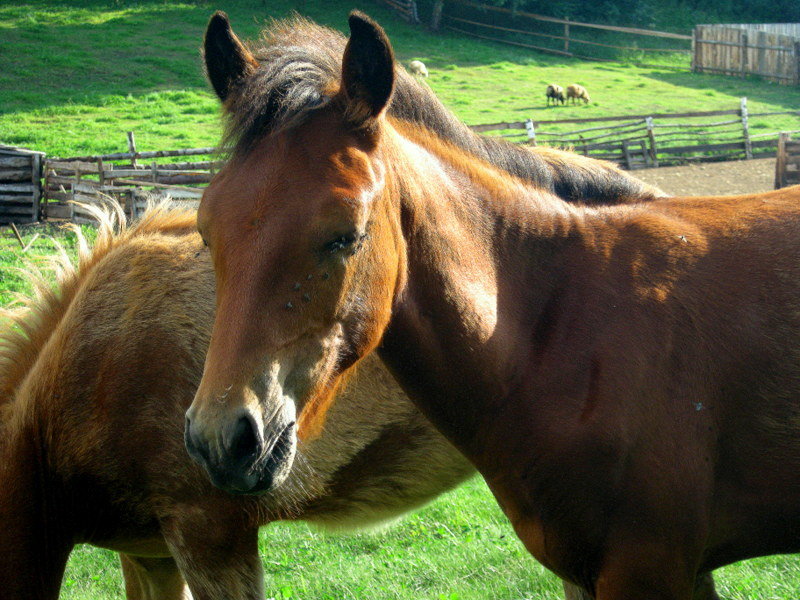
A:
(35, 541)
(482, 254)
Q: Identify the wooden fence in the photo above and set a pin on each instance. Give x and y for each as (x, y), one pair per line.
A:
(405, 8)
(787, 165)
(637, 141)
(474, 20)
(130, 178)
(133, 178)
(748, 50)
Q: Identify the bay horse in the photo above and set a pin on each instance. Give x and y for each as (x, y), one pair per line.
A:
(92, 419)
(95, 378)
(624, 377)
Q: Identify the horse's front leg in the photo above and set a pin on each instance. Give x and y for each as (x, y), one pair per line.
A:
(217, 554)
(152, 579)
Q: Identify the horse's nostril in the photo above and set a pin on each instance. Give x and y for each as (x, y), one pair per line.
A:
(243, 441)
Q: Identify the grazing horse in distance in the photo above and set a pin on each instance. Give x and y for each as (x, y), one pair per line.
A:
(622, 376)
(95, 378)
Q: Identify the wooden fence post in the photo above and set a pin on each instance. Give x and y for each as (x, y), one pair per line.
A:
(780, 161)
(797, 63)
(566, 34)
(36, 180)
(132, 148)
(131, 199)
(436, 15)
(651, 136)
(743, 52)
(748, 147)
(531, 132)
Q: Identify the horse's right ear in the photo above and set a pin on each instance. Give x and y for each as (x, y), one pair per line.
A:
(227, 60)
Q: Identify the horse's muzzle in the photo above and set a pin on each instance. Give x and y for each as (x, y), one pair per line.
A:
(244, 462)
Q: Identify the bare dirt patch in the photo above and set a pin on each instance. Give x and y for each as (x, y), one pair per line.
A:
(722, 178)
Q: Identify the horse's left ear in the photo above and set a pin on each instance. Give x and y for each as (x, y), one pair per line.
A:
(227, 59)
(367, 70)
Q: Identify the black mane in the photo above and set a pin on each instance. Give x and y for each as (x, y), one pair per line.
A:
(300, 68)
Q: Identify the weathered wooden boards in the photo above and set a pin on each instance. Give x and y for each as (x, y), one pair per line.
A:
(20, 184)
(787, 163)
(126, 179)
(763, 50)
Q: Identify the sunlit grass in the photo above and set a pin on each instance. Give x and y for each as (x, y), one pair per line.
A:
(74, 77)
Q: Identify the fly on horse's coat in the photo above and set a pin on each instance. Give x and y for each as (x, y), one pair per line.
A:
(625, 378)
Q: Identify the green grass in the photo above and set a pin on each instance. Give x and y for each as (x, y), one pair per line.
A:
(459, 548)
(13, 260)
(75, 76)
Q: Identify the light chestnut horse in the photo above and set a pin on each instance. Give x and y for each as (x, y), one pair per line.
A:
(624, 377)
(95, 378)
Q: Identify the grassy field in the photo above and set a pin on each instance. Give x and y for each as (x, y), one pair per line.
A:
(75, 76)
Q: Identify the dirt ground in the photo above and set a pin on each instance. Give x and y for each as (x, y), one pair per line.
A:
(722, 178)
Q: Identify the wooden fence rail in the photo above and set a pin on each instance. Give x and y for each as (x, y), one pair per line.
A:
(637, 141)
(132, 178)
(482, 28)
(124, 177)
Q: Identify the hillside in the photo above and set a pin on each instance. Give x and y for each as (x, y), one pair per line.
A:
(74, 76)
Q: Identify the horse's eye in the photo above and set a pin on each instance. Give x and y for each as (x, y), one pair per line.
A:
(341, 242)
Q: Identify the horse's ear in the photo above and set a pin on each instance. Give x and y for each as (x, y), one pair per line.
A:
(227, 60)
(367, 70)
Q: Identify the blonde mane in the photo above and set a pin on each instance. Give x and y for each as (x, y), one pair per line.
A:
(29, 322)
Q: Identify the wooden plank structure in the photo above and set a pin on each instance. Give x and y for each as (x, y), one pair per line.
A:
(771, 51)
(787, 163)
(639, 141)
(129, 178)
(20, 184)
